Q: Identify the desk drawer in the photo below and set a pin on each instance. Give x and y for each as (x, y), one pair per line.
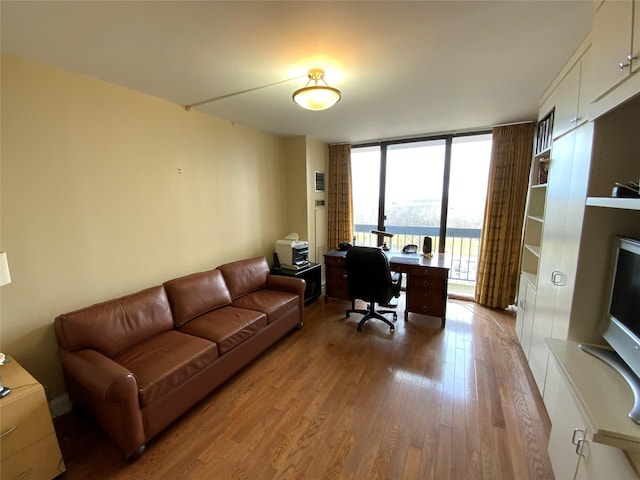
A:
(337, 261)
(24, 421)
(42, 460)
(336, 282)
(427, 294)
(426, 304)
(336, 285)
(420, 271)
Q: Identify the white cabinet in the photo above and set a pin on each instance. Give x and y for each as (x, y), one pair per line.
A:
(571, 100)
(613, 38)
(576, 186)
(526, 309)
(565, 420)
(550, 254)
(599, 461)
(581, 417)
(565, 206)
(635, 50)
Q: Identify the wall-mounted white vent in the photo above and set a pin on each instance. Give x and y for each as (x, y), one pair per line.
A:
(319, 181)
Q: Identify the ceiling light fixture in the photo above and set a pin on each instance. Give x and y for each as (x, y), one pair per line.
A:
(316, 97)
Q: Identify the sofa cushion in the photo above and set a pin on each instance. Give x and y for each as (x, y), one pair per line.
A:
(165, 361)
(114, 326)
(245, 276)
(274, 303)
(196, 294)
(227, 326)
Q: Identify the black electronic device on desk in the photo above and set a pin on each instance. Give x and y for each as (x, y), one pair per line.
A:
(410, 249)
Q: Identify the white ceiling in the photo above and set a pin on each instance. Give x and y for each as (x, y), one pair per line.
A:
(404, 68)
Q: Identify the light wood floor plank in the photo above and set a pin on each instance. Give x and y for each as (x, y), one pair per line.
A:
(328, 402)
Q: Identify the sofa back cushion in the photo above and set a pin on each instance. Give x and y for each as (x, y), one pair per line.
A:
(113, 326)
(196, 294)
(245, 276)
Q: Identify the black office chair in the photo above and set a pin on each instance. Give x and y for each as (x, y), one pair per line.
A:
(369, 278)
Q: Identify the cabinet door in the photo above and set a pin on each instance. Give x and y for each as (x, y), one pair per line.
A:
(565, 418)
(576, 187)
(550, 275)
(528, 312)
(635, 51)
(566, 115)
(522, 298)
(611, 42)
(585, 93)
(598, 461)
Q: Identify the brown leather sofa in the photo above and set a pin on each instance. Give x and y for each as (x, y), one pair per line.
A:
(138, 362)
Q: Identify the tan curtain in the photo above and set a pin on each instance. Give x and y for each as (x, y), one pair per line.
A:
(339, 197)
(504, 214)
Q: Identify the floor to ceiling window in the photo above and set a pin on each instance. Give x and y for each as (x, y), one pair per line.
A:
(433, 187)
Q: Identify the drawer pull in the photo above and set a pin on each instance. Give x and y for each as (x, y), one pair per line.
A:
(426, 283)
(9, 432)
(575, 440)
(24, 474)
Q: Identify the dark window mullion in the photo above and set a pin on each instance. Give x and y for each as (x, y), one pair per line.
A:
(445, 193)
(383, 183)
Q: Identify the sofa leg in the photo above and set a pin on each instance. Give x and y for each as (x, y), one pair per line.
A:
(299, 326)
(132, 457)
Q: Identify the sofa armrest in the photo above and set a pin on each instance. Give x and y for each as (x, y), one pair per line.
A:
(287, 284)
(110, 393)
(99, 375)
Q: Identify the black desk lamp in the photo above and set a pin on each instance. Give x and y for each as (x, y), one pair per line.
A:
(384, 234)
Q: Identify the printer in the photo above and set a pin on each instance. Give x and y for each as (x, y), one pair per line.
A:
(293, 254)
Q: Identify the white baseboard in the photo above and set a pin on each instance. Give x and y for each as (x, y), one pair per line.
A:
(60, 406)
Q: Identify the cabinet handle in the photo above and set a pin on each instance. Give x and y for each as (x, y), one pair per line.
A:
(574, 120)
(9, 432)
(626, 64)
(580, 446)
(522, 304)
(557, 278)
(573, 437)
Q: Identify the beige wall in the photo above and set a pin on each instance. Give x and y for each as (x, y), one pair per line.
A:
(303, 156)
(317, 161)
(296, 189)
(93, 205)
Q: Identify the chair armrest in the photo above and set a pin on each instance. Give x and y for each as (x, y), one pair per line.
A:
(100, 376)
(287, 284)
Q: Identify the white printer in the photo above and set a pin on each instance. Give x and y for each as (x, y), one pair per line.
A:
(293, 254)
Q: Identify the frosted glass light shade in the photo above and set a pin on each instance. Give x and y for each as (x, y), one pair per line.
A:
(316, 97)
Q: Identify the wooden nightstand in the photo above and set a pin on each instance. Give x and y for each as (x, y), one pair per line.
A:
(29, 447)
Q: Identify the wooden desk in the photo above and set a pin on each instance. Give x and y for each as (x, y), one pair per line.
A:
(427, 281)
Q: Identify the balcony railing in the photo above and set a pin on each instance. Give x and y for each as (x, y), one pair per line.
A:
(462, 245)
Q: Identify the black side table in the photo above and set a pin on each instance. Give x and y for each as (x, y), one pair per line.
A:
(311, 274)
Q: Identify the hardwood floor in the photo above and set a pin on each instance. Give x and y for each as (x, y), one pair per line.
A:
(327, 402)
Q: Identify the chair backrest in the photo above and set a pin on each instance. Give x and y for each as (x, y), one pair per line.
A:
(369, 275)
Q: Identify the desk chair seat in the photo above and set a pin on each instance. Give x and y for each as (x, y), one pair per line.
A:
(369, 278)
